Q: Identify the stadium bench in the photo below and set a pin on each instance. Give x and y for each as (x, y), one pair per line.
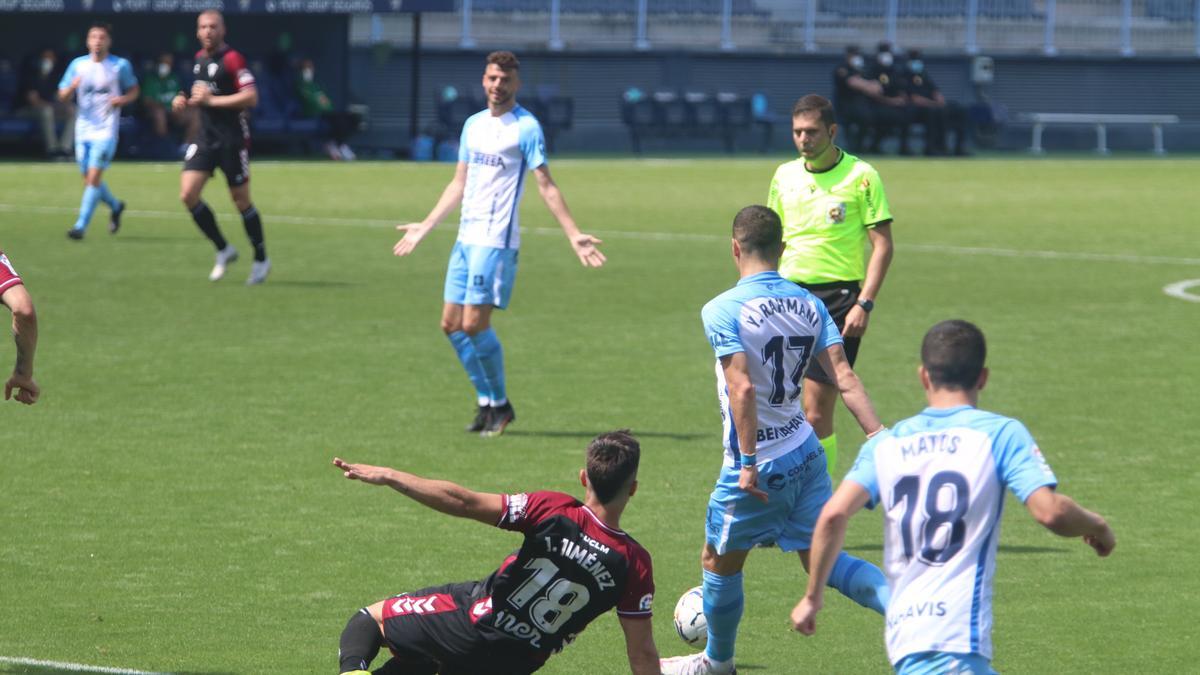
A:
(666, 114)
(1100, 121)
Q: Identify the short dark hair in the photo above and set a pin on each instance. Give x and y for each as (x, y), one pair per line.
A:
(612, 461)
(759, 231)
(953, 353)
(106, 27)
(815, 103)
(506, 60)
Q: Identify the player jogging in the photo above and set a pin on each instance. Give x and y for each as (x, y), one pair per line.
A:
(497, 147)
(574, 565)
(940, 477)
(101, 84)
(24, 328)
(831, 203)
(224, 92)
(774, 480)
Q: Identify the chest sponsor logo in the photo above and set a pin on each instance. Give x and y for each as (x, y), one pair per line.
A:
(212, 70)
(487, 159)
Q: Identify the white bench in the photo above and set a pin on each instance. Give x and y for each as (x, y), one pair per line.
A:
(1100, 121)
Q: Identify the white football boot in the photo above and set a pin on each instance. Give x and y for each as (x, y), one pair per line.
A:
(259, 272)
(695, 664)
(225, 256)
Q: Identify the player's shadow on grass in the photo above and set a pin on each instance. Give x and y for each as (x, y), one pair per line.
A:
(1003, 549)
(592, 434)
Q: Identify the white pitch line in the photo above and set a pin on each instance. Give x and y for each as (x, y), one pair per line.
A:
(1179, 290)
(74, 667)
(656, 236)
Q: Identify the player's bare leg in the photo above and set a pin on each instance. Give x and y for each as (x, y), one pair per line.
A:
(477, 324)
(191, 184)
(252, 222)
(820, 401)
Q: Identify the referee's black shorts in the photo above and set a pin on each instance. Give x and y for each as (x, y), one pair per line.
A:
(839, 297)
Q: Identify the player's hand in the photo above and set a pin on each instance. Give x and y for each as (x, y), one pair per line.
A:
(804, 616)
(585, 247)
(856, 322)
(27, 390)
(179, 103)
(76, 82)
(375, 475)
(1104, 543)
(748, 481)
(413, 234)
(201, 94)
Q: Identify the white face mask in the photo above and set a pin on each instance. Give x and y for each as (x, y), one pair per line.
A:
(164, 70)
(885, 59)
(47, 66)
(857, 62)
(307, 74)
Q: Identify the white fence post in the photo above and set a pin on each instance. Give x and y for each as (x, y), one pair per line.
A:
(466, 41)
(810, 27)
(893, 10)
(972, 19)
(1048, 47)
(556, 43)
(727, 26)
(1126, 27)
(640, 42)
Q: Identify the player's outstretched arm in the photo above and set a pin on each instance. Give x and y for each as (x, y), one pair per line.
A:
(585, 245)
(639, 645)
(25, 333)
(828, 537)
(439, 495)
(854, 394)
(450, 199)
(1063, 516)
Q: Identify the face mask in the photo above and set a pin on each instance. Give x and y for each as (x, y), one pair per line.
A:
(164, 70)
(916, 66)
(857, 62)
(47, 66)
(307, 74)
(885, 59)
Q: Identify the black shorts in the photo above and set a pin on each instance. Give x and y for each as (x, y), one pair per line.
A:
(839, 298)
(430, 631)
(233, 158)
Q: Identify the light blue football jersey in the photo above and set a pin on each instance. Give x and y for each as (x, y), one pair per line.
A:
(498, 151)
(99, 81)
(779, 326)
(940, 477)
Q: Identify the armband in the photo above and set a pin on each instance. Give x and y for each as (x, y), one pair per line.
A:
(749, 460)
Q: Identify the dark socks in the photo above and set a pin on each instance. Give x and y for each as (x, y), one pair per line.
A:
(254, 231)
(360, 643)
(207, 223)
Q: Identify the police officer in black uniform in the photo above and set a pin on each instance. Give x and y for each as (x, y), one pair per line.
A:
(852, 94)
(890, 108)
(932, 110)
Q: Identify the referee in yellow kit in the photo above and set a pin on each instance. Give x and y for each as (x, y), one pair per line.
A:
(831, 203)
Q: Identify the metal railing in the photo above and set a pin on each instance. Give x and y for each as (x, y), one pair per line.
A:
(1127, 28)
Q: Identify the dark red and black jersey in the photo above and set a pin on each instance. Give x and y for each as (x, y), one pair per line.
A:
(225, 73)
(571, 569)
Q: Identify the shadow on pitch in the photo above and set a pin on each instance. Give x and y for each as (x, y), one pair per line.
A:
(592, 434)
(1003, 549)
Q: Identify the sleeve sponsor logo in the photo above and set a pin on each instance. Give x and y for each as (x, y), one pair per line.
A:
(646, 601)
(517, 504)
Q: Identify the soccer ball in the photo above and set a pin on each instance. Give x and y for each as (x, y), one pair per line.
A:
(690, 623)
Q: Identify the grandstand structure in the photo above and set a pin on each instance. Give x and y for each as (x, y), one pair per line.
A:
(1051, 27)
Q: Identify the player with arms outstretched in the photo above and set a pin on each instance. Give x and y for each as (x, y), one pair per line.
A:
(224, 92)
(941, 477)
(774, 479)
(574, 565)
(101, 84)
(497, 147)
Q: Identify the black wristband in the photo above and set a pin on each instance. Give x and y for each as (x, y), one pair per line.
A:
(867, 305)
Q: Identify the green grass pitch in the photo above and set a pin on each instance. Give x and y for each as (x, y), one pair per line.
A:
(168, 505)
